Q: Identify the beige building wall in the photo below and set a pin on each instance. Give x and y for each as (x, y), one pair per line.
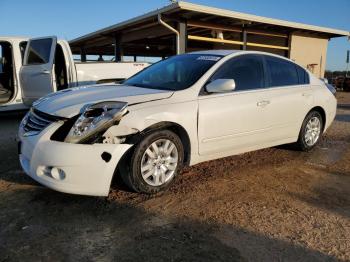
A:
(309, 52)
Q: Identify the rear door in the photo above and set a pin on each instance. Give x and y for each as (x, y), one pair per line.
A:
(289, 96)
(36, 75)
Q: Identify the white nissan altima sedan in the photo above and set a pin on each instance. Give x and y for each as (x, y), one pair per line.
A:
(181, 111)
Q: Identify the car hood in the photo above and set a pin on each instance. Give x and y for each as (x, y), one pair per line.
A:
(68, 102)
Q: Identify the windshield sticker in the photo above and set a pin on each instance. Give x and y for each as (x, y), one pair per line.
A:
(209, 58)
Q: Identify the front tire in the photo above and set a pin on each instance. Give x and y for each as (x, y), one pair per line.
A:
(310, 132)
(154, 162)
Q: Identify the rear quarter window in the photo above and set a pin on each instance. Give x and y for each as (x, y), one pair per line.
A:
(22, 48)
(281, 72)
(303, 76)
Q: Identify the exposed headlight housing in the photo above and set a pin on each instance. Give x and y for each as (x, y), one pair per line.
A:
(94, 119)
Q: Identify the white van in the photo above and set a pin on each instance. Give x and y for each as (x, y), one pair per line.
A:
(32, 68)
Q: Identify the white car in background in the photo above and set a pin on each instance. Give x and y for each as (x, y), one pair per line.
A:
(33, 68)
(181, 111)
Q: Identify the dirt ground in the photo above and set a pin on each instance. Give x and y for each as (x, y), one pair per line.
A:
(271, 205)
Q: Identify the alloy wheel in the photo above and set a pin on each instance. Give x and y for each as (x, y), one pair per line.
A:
(312, 131)
(159, 162)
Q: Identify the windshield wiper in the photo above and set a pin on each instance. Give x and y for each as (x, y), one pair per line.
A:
(137, 85)
(151, 87)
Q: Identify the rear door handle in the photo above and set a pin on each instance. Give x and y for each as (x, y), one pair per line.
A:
(263, 103)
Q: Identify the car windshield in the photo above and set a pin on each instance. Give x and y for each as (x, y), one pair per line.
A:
(175, 73)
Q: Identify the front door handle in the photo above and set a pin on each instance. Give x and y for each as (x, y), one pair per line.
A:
(45, 72)
(263, 103)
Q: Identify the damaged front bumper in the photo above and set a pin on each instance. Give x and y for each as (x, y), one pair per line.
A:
(70, 168)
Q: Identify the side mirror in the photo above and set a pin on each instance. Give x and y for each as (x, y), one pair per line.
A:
(221, 86)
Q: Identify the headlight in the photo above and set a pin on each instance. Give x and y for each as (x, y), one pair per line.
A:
(95, 119)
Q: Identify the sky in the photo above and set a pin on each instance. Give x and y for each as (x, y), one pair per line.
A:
(69, 19)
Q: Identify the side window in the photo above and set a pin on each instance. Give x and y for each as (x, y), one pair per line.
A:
(6, 59)
(39, 51)
(1, 60)
(282, 72)
(246, 70)
(303, 76)
(22, 48)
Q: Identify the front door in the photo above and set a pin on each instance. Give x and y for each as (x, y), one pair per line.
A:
(36, 74)
(234, 120)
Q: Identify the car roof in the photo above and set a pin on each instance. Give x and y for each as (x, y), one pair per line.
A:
(225, 52)
(216, 52)
(230, 52)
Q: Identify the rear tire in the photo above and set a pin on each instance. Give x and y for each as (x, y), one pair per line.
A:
(310, 132)
(154, 162)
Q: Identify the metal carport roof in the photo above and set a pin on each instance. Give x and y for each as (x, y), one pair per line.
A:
(144, 35)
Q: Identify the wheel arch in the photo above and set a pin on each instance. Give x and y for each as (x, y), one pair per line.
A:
(322, 112)
(167, 125)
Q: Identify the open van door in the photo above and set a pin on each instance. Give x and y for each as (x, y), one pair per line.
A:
(36, 74)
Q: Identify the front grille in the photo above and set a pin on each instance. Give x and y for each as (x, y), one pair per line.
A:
(37, 121)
